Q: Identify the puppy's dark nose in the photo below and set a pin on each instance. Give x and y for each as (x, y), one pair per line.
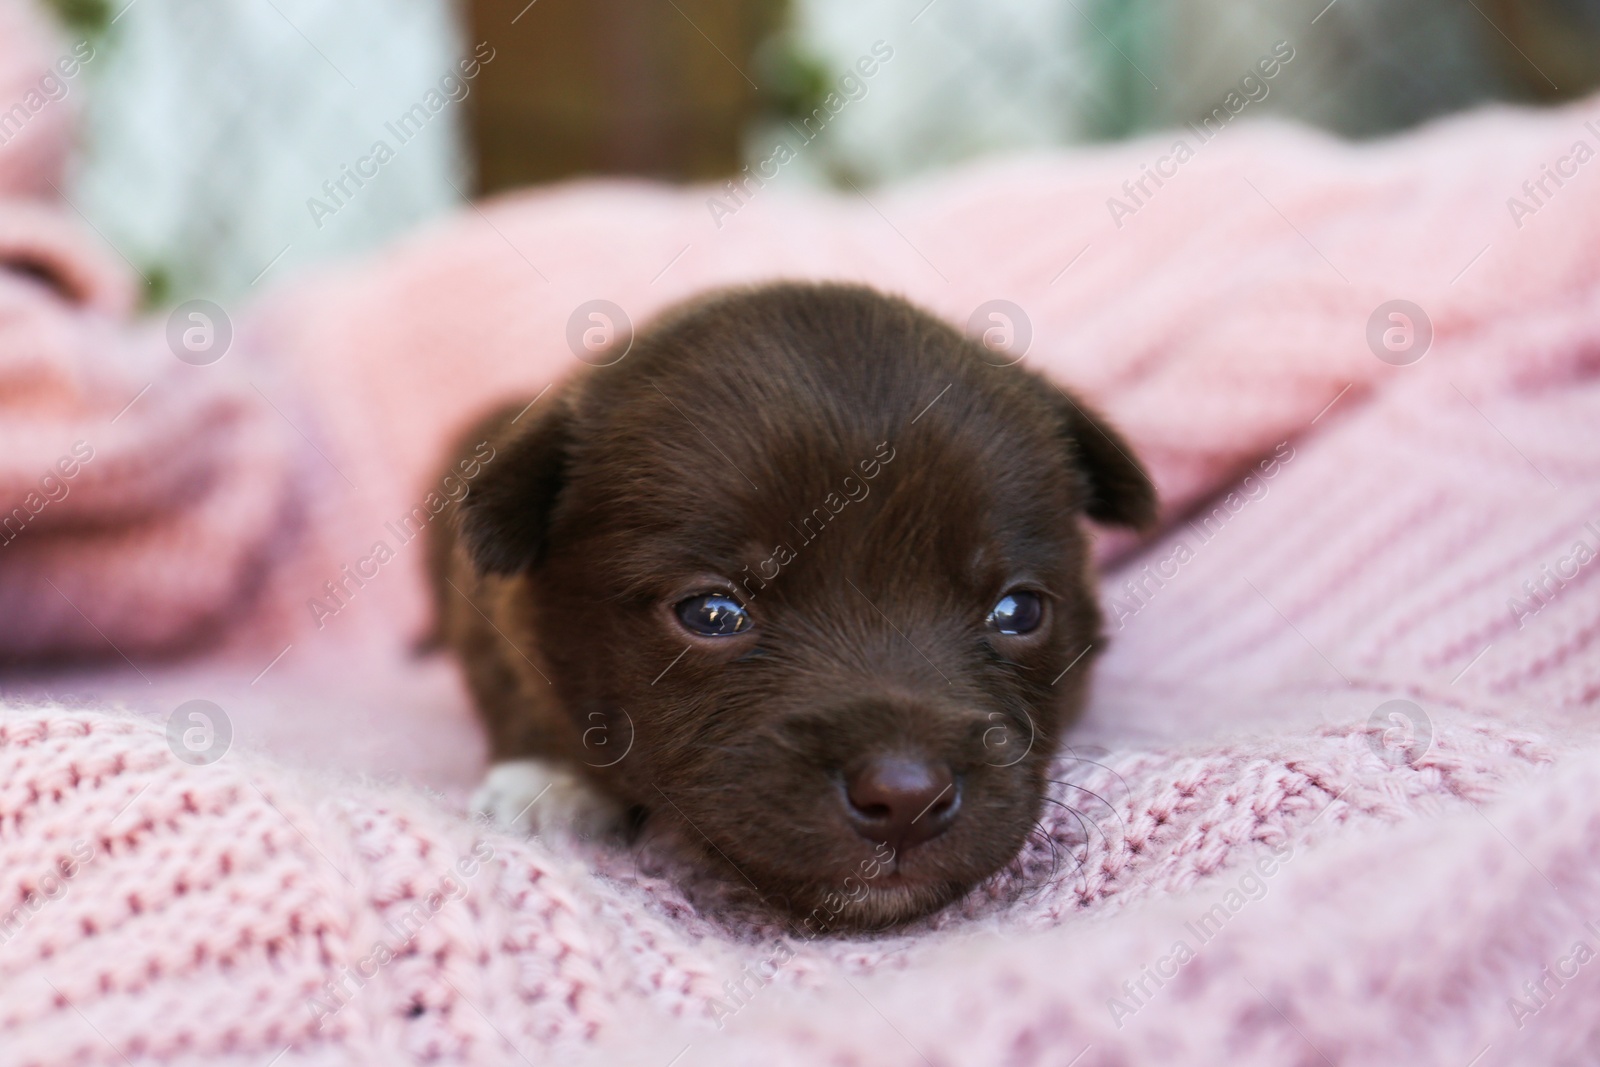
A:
(902, 801)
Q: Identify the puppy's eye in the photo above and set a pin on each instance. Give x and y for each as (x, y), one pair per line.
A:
(1017, 612)
(713, 615)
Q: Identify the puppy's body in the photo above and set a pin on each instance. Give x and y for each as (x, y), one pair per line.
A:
(757, 577)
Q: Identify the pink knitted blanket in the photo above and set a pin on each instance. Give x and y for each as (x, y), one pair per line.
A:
(1255, 854)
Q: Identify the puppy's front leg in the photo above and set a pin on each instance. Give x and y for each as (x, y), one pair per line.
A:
(538, 796)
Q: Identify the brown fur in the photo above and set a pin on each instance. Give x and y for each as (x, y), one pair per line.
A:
(818, 419)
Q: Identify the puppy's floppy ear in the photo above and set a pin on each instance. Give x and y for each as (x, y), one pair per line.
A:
(1120, 492)
(504, 519)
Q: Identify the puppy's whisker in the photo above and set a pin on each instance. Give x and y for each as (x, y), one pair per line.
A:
(1026, 887)
(1055, 864)
(1072, 754)
(1081, 868)
(1055, 852)
(1082, 823)
(1017, 871)
(1074, 785)
(1109, 806)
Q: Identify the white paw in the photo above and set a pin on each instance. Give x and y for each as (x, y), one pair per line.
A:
(535, 796)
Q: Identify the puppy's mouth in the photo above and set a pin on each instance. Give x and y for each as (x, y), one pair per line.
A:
(889, 900)
(881, 890)
(883, 850)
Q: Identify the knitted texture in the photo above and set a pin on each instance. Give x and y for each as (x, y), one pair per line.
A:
(227, 913)
(141, 497)
(35, 140)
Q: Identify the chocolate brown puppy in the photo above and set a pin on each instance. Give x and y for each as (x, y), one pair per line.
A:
(805, 571)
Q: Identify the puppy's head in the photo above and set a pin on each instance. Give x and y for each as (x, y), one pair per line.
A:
(826, 563)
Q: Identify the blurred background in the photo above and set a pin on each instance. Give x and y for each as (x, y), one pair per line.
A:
(226, 142)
